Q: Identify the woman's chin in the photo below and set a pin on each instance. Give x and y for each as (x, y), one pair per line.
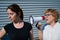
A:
(47, 22)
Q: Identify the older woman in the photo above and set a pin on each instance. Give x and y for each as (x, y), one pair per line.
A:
(51, 31)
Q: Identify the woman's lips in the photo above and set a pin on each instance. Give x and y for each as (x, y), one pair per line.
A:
(46, 19)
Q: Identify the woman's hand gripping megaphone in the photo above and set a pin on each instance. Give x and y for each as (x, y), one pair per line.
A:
(39, 25)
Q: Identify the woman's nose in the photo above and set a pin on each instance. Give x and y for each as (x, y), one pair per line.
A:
(9, 16)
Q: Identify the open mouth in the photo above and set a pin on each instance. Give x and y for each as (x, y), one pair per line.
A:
(46, 19)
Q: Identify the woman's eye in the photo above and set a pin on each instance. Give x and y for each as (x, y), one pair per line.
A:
(10, 13)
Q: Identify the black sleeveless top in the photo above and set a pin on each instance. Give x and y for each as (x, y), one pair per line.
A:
(18, 34)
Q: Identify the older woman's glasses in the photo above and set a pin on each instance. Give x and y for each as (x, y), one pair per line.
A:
(48, 14)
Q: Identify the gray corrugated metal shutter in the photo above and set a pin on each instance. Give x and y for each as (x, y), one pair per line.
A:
(29, 8)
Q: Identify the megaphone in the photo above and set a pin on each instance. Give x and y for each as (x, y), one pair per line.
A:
(36, 19)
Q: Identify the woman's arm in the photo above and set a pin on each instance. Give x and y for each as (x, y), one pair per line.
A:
(31, 35)
(40, 31)
(40, 35)
(2, 33)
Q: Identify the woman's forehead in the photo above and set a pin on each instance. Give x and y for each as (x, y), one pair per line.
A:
(48, 13)
(10, 11)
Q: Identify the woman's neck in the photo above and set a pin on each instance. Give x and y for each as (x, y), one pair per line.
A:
(18, 20)
(52, 24)
(18, 25)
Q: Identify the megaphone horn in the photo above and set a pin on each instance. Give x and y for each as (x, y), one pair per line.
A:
(36, 19)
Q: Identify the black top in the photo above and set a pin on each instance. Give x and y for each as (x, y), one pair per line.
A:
(18, 34)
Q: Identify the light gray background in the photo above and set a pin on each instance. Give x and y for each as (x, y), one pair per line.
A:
(29, 7)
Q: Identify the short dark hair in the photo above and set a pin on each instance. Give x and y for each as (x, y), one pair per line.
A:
(15, 8)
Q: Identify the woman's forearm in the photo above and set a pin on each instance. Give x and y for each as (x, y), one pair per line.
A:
(40, 35)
